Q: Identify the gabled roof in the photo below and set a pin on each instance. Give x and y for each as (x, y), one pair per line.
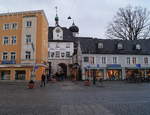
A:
(67, 34)
(90, 46)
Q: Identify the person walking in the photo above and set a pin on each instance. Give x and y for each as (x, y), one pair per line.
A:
(43, 80)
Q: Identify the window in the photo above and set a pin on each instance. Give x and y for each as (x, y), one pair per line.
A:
(49, 54)
(103, 60)
(86, 59)
(28, 24)
(67, 54)
(138, 47)
(134, 60)
(5, 40)
(67, 45)
(62, 54)
(57, 54)
(28, 55)
(57, 45)
(28, 39)
(128, 60)
(13, 55)
(100, 45)
(13, 40)
(5, 55)
(120, 46)
(114, 60)
(14, 25)
(145, 60)
(6, 26)
(52, 54)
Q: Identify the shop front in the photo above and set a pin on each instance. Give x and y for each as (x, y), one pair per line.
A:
(90, 73)
(114, 72)
(137, 72)
(5, 75)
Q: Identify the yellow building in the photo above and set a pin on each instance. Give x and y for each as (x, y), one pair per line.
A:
(23, 45)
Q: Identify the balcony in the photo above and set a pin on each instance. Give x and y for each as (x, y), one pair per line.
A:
(8, 62)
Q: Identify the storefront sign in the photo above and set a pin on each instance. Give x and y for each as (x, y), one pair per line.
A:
(113, 66)
(138, 65)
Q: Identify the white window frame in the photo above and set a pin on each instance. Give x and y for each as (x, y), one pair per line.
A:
(104, 60)
(68, 54)
(28, 39)
(28, 24)
(147, 60)
(28, 55)
(57, 54)
(6, 26)
(13, 54)
(115, 60)
(13, 38)
(4, 40)
(14, 26)
(5, 56)
(128, 60)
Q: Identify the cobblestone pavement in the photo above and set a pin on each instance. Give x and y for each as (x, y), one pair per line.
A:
(73, 98)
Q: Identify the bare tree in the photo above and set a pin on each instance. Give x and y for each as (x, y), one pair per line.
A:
(130, 24)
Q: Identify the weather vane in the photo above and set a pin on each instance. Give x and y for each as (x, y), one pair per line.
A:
(56, 9)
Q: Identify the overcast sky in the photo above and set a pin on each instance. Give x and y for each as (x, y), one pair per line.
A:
(91, 16)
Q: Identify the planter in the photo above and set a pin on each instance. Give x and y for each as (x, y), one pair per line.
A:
(31, 84)
(87, 83)
(53, 80)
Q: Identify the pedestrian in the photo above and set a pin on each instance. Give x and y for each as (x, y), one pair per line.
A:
(43, 80)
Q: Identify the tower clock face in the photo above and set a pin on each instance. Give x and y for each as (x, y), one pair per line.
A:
(57, 30)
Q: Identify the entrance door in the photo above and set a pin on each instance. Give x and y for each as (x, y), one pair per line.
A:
(63, 69)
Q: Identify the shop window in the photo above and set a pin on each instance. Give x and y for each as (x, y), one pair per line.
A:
(145, 60)
(20, 75)
(86, 59)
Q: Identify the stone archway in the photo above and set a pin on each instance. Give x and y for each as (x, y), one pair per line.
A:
(63, 68)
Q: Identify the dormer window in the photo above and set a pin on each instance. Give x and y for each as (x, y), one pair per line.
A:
(138, 46)
(100, 45)
(119, 46)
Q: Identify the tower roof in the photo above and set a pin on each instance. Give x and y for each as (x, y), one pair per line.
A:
(74, 28)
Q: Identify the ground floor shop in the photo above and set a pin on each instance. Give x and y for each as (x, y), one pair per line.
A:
(115, 74)
(21, 73)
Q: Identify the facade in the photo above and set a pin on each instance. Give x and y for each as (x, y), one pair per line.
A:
(61, 48)
(23, 45)
(114, 59)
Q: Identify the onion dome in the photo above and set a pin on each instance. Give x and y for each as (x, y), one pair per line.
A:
(74, 28)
